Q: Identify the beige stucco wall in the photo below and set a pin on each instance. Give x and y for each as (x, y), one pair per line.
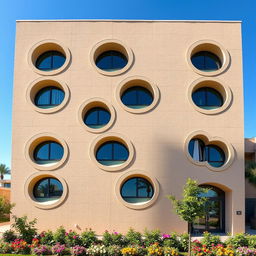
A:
(158, 136)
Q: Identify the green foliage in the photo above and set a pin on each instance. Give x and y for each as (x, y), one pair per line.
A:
(5, 207)
(9, 236)
(72, 239)
(184, 241)
(5, 247)
(46, 238)
(172, 241)
(133, 237)
(192, 205)
(26, 229)
(238, 240)
(252, 241)
(114, 250)
(113, 239)
(4, 170)
(209, 239)
(60, 235)
(151, 237)
(88, 237)
(250, 171)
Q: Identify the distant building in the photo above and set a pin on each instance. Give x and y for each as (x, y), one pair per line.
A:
(109, 117)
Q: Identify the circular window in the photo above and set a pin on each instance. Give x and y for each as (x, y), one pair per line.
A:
(208, 58)
(45, 191)
(206, 61)
(213, 152)
(137, 190)
(48, 190)
(49, 57)
(47, 96)
(50, 60)
(111, 61)
(137, 97)
(112, 152)
(48, 152)
(111, 57)
(137, 94)
(96, 115)
(207, 98)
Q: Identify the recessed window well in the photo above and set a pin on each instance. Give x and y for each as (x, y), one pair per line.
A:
(137, 97)
(48, 190)
(212, 154)
(207, 98)
(111, 57)
(97, 117)
(208, 58)
(49, 57)
(137, 190)
(206, 61)
(50, 60)
(48, 152)
(112, 153)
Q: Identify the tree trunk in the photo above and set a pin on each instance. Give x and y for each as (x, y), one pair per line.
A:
(2, 176)
(189, 239)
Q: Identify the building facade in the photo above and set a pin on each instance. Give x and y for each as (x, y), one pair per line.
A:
(110, 117)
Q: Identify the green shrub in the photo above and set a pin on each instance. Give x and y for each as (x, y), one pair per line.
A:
(46, 237)
(88, 237)
(60, 235)
(72, 239)
(9, 236)
(133, 237)
(114, 250)
(151, 237)
(171, 240)
(5, 248)
(238, 240)
(25, 228)
(113, 239)
(209, 239)
(252, 241)
(183, 238)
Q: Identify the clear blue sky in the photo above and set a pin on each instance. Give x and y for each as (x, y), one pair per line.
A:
(12, 10)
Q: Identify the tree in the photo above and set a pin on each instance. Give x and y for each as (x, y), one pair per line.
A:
(250, 171)
(191, 206)
(5, 208)
(4, 170)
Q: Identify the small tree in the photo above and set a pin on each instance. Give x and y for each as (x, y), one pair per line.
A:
(4, 170)
(191, 206)
(5, 208)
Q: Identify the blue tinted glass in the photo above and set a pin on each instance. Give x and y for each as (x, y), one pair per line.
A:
(213, 97)
(49, 97)
(105, 152)
(50, 60)
(137, 97)
(199, 97)
(210, 193)
(97, 117)
(111, 61)
(42, 152)
(206, 61)
(215, 155)
(120, 152)
(129, 189)
(56, 151)
(191, 147)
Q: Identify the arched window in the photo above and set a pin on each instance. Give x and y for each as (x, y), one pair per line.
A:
(206, 61)
(49, 97)
(137, 97)
(207, 98)
(96, 117)
(111, 61)
(112, 153)
(213, 154)
(137, 190)
(214, 219)
(48, 152)
(50, 60)
(47, 189)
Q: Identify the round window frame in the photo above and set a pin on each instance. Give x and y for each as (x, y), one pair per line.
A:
(96, 102)
(44, 46)
(43, 82)
(40, 138)
(133, 174)
(30, 184)
(216, 84)
(226, 147)
(108, 45)
(213, 47)
(137, 81)
(111, 137)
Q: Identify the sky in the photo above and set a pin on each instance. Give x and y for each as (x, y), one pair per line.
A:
(12, 10)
